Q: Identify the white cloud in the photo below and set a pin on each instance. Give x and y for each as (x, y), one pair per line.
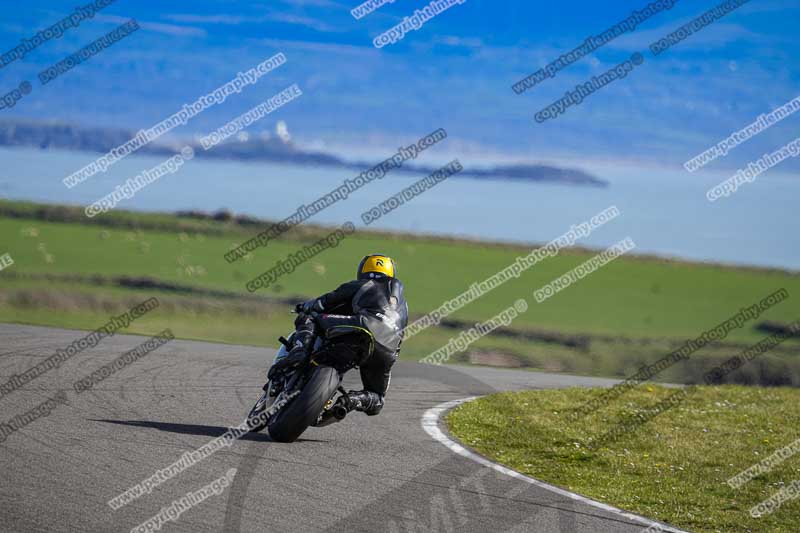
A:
(158, 27)
(308, 22)
(235, 20)
(715, 35)
(211, 19)
(326, 48)
(452, 40)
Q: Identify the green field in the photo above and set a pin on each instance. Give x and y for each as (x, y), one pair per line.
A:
(632, 311)
(673, 468)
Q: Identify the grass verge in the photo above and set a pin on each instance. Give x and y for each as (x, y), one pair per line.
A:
(672, 468)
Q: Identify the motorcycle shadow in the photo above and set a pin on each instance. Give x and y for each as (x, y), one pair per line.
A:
(194, 429)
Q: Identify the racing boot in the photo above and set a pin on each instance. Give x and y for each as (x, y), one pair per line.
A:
(365, 401)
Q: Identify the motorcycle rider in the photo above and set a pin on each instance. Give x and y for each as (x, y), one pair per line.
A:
(373, 304)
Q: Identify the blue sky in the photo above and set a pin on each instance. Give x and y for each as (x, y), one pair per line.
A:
(455, 72)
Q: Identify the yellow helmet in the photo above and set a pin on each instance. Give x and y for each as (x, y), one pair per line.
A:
(376, 264)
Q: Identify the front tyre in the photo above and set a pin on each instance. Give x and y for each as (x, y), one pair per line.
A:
(291, 421)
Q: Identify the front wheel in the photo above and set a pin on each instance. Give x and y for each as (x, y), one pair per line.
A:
(291, 421)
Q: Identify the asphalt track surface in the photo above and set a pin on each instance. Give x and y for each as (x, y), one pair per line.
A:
(381, 473)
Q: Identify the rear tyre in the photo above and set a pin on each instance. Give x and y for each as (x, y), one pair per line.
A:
(291, 421)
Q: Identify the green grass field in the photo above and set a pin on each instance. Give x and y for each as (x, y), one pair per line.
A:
(673, 468)
(633, 310)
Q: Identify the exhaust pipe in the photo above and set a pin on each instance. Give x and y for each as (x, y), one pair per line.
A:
(339, 412)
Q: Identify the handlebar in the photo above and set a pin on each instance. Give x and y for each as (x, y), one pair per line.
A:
(298, 310)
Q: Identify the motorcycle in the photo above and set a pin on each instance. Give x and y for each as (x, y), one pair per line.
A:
(305, 395)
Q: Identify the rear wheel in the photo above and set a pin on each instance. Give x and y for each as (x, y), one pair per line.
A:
(293, 419)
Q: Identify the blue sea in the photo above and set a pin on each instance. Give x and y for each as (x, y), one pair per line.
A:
(665, 213)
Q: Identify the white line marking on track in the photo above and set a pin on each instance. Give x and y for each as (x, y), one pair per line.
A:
(430, 423)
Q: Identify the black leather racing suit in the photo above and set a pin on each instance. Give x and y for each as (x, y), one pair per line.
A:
(376, 307)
